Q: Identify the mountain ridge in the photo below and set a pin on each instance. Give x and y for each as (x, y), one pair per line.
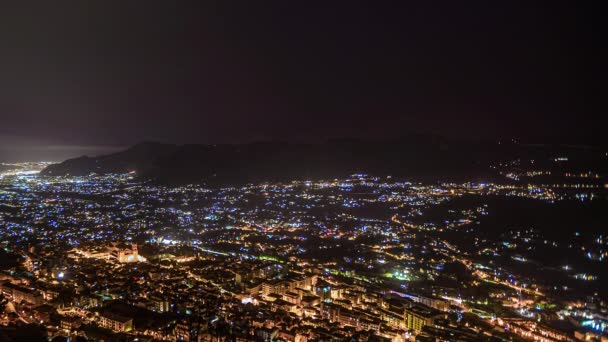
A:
(271, 161)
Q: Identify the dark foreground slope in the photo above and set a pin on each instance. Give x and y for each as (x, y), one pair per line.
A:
(237, 164)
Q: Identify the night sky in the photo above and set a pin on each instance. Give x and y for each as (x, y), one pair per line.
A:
(90, 74)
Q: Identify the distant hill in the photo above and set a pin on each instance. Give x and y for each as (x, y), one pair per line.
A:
(137, 158)
(237, 164)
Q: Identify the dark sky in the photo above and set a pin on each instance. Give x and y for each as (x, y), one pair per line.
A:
(95, 73)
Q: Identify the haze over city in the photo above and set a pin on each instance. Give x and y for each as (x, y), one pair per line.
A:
(110, 73)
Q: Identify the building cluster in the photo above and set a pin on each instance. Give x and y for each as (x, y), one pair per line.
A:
(366, 258)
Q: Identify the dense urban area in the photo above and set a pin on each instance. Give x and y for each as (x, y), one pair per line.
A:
(363, 258)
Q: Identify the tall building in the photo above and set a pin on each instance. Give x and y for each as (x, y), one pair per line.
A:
(116, 322)
(417, 316)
